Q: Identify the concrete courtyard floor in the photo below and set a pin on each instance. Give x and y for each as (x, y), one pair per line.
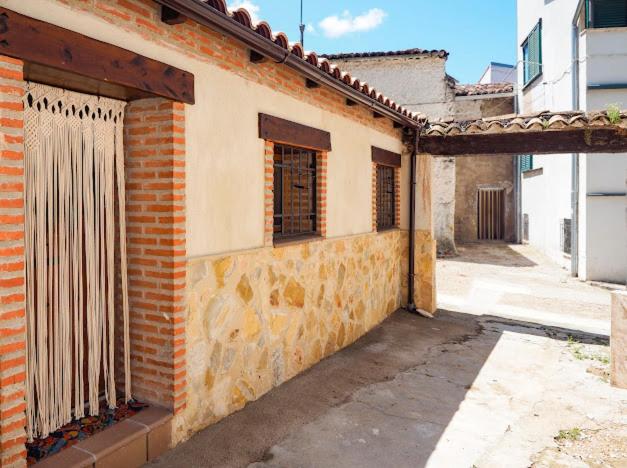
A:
(512, 372)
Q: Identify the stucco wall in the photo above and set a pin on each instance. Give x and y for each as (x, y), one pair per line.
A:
(415, 82)
(258, 315)
(547, 197)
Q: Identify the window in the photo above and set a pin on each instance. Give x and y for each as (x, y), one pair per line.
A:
(295, 207)
(532, 54)
(386, 198)
(526, 163)
(606, 13)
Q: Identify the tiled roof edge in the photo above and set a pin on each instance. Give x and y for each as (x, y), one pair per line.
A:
(390, 53)
(197, 9)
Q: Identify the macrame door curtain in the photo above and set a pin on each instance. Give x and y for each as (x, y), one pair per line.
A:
(76, 272)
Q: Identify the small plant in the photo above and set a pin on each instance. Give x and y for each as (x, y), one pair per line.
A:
(578, 352)
(570, 434)
(613, 113)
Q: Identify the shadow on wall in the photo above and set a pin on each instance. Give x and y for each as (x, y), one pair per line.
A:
(408, 376)
(492, 253)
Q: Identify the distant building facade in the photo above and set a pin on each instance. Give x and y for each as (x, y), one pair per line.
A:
(574, 56)
(499, 73)
(417, 79)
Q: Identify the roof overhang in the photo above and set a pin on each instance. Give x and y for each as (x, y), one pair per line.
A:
(204, 14)
(546, 133)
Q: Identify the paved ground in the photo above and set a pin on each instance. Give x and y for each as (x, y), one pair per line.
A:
(514, 373)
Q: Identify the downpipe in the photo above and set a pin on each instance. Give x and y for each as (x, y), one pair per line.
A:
(411, 305)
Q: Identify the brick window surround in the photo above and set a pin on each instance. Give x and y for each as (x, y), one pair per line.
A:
(321, 193)
(397, 197)
(155, 185)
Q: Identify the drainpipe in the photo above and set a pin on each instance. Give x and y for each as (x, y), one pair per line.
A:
(574, 226)
(411, 306)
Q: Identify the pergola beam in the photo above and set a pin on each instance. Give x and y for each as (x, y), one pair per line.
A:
(592, 139)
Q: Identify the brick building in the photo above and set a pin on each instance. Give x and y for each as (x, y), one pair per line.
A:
(248, 205)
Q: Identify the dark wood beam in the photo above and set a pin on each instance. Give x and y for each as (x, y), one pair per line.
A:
(350, 102)
(291, 133)
(256, 57)
(311, 83)
(397, 125)
(578, 140)
(170, 16)
(376, 115)
(48, 45)
(385, 157)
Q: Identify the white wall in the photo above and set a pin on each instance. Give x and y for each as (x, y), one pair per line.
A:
(496, 73)
(546, 198)
(605, 246)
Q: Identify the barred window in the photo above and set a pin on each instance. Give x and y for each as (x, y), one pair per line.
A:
(295, 207)
(385, 198)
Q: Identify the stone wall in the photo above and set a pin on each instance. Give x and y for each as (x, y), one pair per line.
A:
(473, 173)
(257, 318)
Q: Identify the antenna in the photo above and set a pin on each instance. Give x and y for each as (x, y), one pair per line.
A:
(302, 27)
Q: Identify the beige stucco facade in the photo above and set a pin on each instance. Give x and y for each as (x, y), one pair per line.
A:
(256, 315)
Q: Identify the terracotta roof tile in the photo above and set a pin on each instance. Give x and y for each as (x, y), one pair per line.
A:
(543, 121)
(321, 62)
(483, 89)
(390, 53)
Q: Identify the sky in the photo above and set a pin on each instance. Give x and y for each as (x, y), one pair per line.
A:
(474, 32)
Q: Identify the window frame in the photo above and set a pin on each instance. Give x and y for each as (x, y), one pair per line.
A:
(390, 221)
(391, 161)
(528, 79)
(523, 168)
(590, 16)
(310, 169)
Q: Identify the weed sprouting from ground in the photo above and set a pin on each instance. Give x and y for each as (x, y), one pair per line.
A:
(578, 351)
(570, 434)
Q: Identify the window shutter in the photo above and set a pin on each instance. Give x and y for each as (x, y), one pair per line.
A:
(526, 163)
(532, 54)
(609, 13)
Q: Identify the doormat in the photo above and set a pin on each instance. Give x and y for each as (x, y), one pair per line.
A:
(80, 429)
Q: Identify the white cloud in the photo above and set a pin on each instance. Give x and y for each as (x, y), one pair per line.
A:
(311, 29)
(252, 8)
(337, 26)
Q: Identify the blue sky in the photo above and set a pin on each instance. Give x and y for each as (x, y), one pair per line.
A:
(475, 32)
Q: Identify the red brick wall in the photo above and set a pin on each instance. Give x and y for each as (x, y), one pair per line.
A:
(12, 312)
(155, 183)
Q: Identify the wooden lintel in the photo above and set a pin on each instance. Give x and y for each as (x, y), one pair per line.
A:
(291, 133)
(376, 115)
(385, 157)
(350, 102)
(398, 125)
(256, 57)
(170, 16)
(311, 83)
(45, 44)
(602, 139)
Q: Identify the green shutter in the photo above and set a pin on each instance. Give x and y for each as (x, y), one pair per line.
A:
(532, 54)
(526, 163)
(609, 13)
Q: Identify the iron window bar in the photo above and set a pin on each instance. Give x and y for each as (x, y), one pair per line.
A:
(386, 198)
(295, 206)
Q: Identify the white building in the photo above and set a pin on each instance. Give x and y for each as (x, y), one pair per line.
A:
(573, 55)
(499, 73)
